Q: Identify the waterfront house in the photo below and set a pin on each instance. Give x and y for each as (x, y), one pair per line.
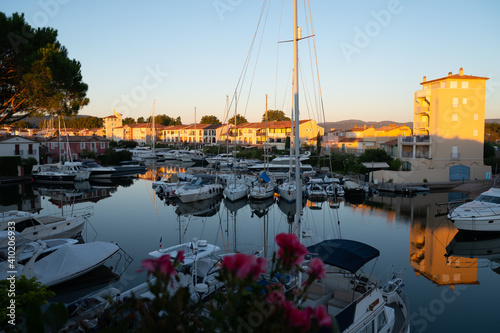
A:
(111, 122)
(448, 132)
(19, 146)
(72, 146)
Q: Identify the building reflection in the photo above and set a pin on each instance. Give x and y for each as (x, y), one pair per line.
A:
(19, 197)
(165, 171)
(79, 192)
(430, 234)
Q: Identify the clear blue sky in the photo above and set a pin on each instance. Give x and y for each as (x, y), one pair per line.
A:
(184, 54)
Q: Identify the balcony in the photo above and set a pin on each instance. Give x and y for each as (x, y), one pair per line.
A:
(18, 152)
(416, 138)
(421, 124)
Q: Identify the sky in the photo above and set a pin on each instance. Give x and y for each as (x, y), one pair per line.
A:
(186, 55)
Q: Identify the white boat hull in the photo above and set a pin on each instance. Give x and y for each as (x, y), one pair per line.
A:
(235, 192)
(191, 193)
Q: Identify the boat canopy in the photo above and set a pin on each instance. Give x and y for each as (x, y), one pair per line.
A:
(343, 253)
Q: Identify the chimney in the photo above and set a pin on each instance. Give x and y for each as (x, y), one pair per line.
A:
(461, 71)
(424, 79)
(450, 73)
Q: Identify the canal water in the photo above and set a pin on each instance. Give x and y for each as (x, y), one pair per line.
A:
(451, 279)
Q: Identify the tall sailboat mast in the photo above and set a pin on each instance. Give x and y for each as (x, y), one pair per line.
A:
(298, 180)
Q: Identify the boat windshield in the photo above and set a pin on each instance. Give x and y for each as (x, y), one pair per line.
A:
(488, 198)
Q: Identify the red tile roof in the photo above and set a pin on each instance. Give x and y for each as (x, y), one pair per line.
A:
(457, 76)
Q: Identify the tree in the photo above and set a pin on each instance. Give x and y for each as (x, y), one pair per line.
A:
(319, 140)
(275, 115)
(375, 155)
(36, 75)
(209, 120)
(23, 124)
(239, 120)
(163, 120)
(491, 132)
(141, 120)
(75, 122)
(128, 121)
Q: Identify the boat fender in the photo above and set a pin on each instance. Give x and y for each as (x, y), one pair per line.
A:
(210, 191)
(173, 203)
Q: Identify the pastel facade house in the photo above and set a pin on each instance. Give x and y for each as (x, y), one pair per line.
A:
(111, 122)
(276, 134)
(72, 146)
(19, 146)
(448, 132)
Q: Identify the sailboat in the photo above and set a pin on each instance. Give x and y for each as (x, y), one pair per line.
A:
(263, 187)
(287, 190)
(355, 299)
(235, 190)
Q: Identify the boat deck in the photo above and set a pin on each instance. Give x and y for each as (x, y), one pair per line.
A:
(50, 219)
(399, 323)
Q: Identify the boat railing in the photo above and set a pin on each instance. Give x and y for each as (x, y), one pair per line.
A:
(406, 301)
(86, 212)
(484, 211)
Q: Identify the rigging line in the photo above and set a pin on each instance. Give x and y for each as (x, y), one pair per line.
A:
(310, 57)
(287, 85)
(247, 60)
(256, 60)
(277, 56)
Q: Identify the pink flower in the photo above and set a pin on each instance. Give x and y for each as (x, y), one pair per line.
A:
(164, 264)
(322, 316)
(291, 251)
(275, 297)
(180, 256)
(244, 265)
(317, 269)
(298, 318)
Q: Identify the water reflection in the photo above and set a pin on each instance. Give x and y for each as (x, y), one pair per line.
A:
(468, 245)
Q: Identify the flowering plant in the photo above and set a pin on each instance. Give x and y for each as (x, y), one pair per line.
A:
(255, 297)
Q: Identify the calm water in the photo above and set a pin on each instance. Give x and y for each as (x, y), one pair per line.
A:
(457, 292)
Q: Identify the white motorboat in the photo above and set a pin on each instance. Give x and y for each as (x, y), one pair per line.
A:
(65, 263)
(196, 191)
(193, 250)
(334, 190)
(33, 227)
(97, 171)
(481, 214)
(315, 192)
(279, 167)
(14, 215)
(358, 301)
(49, 173)
(140, 153)
(74, 168)
(27, 250)
(221, 159)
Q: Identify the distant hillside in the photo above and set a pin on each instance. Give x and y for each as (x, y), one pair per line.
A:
(35, 120)
(348, 124)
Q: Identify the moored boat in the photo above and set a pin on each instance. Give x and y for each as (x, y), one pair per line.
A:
(481, 214)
